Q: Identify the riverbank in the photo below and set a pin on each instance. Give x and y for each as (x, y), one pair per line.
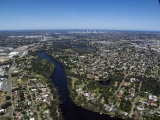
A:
(85, 99)
(36, 93)
(70, 111)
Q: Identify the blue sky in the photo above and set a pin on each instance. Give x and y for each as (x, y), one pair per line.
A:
(80, 14)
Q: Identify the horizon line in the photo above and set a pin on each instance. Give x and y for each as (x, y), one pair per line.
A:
(79, 29)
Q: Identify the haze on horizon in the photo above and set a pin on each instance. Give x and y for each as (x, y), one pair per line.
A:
(80, 14)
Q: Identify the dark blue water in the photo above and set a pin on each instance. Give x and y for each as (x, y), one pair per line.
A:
(70, 111)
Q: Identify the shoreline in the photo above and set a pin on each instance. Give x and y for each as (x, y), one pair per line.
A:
(108, 116)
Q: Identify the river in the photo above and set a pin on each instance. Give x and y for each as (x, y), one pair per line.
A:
(70, 111)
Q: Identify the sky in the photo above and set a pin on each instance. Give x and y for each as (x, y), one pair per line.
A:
(80, 14)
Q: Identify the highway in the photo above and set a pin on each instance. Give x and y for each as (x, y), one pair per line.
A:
(8, 88)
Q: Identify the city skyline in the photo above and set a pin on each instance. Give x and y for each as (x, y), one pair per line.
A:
(80, 14)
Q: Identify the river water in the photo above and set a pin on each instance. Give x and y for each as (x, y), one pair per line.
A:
(70, 111)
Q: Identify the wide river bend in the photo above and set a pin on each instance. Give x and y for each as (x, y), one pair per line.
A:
(70, 111)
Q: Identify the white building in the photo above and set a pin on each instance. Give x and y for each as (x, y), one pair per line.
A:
(1, 83)
(11, 54)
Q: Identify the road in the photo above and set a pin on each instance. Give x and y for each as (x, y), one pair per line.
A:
(121, 84)
(33, 103)
(135, 100)
(126, 75)
(8, 88)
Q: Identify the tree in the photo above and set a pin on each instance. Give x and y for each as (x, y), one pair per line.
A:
(8, 97)
(4, 106)
(1, 113)
(5, 118)
(8, 104)
(21, 95)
